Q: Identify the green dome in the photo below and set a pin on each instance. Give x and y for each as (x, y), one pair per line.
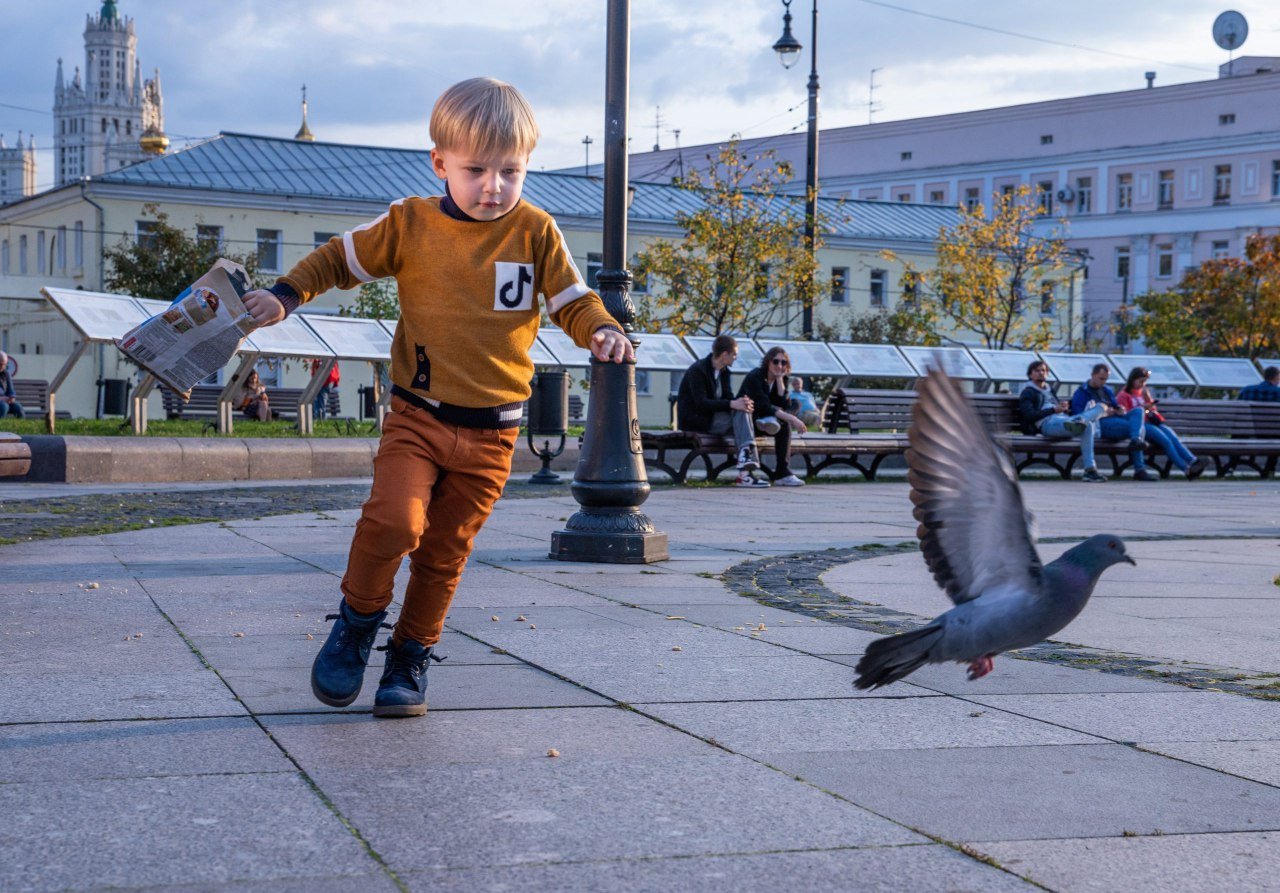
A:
(109, 11)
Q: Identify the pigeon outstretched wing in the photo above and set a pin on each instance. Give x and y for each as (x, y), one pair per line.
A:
(974, 530)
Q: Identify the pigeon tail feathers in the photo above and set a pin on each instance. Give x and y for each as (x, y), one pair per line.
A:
(895, 657)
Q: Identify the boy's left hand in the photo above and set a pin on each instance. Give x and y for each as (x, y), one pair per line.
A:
(611, 345)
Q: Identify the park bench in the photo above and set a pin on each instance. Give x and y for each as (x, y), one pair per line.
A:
(204, 402)
(33, 394)
(15, 455)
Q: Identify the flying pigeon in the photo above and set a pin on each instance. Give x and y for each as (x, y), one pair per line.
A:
(976, 538)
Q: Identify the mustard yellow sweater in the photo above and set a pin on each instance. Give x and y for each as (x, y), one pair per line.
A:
(469, 295)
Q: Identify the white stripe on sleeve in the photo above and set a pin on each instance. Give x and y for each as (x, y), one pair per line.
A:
(564, 247)
(568, 296)
(349, 244)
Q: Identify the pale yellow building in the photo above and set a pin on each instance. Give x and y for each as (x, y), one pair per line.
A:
(279, 198)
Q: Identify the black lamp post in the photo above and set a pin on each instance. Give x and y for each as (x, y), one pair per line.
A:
(788, 50)
(610, 482)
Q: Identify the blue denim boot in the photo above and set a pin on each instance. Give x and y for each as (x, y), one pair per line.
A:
(402, 691)
(338, 671)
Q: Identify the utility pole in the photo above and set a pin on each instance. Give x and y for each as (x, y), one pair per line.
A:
(586, 160)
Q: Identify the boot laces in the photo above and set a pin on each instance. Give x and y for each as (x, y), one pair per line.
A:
(345, 635)
(403, 669)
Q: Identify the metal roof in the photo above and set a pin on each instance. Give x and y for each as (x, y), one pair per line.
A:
(260, 165)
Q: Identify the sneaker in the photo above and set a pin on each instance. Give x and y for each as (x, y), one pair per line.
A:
(1074, 427)
(789, 481)
(770, 425)
(747, 460)
(338, 670)
(402, 691)
(1197, 467)
(1145, 474)
(1091, 476)
(747, 479)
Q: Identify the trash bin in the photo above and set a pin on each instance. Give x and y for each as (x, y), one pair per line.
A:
(368, 405)
(549, 403)
(115, 396)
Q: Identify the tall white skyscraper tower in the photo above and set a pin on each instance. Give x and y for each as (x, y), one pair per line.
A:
(108, 117)
(17, 169)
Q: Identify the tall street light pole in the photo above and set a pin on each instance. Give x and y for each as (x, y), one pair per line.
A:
(788, 50)
(610, 482)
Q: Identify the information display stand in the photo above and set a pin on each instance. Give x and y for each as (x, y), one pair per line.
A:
(749, 353)
(1076, 368)
(561, 346)
(807, 357)
(1165, 369)
(1004, 365)
(348, 339)
(955, 361)
(1221, 372)
(872, 361)
(98, 318)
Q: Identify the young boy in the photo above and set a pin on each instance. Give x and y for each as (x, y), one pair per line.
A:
(470, 267)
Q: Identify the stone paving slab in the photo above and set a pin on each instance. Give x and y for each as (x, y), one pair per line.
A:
(1205, 863)
(931, 868)
(148, 831)
(575, 810)
(67, 751)
(277, 650)
(861, 724)
(44, 696)
(1255, 760)
(1022, 793)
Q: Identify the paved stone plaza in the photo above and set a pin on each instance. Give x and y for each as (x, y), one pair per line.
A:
(158, 731)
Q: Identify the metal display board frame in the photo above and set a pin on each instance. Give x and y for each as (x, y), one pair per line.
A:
(1080, 366)
(1264, 362)
(1158, 364)
(63, 300)
(330, 329)
(540, 354)
(853, 357)
(1004, 365)
(956, 362)
(561, 346)
(1215, 372)
(749, 353)
(807, 357)
(676, 357)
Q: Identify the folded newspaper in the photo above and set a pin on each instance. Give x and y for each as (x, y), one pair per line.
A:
(198, 334)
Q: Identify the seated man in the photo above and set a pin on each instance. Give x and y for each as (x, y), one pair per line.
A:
(1267, 390)
(1115, 423)
(1040, 412)
(802, 403)
(706, 405)
(9, 404)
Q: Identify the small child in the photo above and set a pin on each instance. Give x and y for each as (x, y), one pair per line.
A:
(471, 267)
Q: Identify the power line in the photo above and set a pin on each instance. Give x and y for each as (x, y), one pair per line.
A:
(1036, 38)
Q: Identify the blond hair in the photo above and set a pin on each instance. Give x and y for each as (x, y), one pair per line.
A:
(483, 116)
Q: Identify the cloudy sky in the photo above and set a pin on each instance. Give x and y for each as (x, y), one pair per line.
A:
(373, 68)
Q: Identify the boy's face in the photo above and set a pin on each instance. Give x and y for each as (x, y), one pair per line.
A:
(483, 188)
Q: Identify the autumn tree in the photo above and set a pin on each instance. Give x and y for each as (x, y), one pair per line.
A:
(991, 271)
(742, 265)
(379, 299)
(164, 260)
(1226, 307)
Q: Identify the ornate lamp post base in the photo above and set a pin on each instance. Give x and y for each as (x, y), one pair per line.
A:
(613, 535)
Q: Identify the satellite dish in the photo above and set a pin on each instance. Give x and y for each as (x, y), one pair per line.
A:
(1229, 30)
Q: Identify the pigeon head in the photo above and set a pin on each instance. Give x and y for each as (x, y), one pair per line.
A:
(1098, 553)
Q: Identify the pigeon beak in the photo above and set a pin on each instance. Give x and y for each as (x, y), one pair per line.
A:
(1129, 559)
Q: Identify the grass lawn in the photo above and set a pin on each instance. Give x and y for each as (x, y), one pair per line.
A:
(197, 428)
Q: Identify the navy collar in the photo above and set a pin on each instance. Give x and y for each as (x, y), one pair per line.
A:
(450, 207)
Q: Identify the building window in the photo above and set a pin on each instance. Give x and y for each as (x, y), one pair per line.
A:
(1046, 139)
(1046, 298)
(1084, 195)
(1044, 196)
(319, 239)
(763, 285)
(1222, 184)
(79, 253)
(22, 257)
(269, 250)
(1275, 179)
(4, 258)
(40, 256)
(937, 196)
(904, 196)
(1164, 260)
(1122, 263)
(1221, 250)
(145, 235)
(1229, 118)
(910, 283)
(877, 288)
(644, 382)
(971, 199)
(595, 262)
(839, 285)
(639, 281)
(1007, 190)
(1165, 195)
(1124, 192)
(906, 156)
(61, 248)
(209, 237)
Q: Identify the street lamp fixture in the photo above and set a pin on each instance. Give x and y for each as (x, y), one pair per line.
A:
(788, 50)
(787, 47)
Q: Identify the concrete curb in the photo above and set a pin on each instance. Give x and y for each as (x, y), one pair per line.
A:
(102, 460)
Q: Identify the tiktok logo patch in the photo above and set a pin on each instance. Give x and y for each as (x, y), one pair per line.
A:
(513, 286)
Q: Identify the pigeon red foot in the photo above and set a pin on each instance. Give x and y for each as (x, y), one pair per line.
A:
(981, 667)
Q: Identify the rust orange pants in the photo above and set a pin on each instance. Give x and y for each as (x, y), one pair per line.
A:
(434, 485)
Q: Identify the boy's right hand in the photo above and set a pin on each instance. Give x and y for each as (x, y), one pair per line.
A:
(264, 307)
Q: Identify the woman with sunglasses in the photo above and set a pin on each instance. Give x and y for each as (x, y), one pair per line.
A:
(1135, 393)
(767, 388)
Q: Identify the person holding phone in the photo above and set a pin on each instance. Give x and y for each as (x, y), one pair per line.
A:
(1158, 431)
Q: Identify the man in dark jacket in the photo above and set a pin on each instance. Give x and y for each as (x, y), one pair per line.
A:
(9, 404)
(706, 405)
(1115, 423)
(1040, 412)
